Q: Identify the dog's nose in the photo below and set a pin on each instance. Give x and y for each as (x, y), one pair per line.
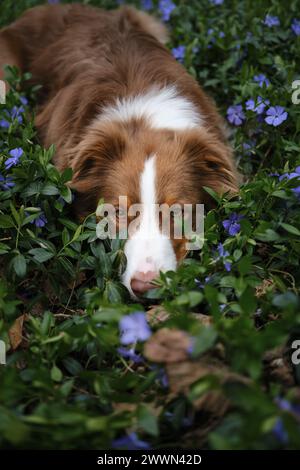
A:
(142, 281)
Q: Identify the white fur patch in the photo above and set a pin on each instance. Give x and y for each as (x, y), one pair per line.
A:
(148, 249)
(164, 108)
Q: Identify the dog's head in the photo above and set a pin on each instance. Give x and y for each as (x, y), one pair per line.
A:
(160, 176)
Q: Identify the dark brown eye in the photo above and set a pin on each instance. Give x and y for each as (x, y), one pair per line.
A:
(213, 165)
(178, 212)
(121, 213)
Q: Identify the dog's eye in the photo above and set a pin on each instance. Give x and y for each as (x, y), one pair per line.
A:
(212, 165)
(177, 212)
(121, 213)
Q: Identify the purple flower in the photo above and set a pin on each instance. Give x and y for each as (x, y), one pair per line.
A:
(223, 255)
(221, 250)
(162, 377)
(146, 4)
(15, 155)
(216, 2)
(191, 346)
(262, 80)
(186, 422)
(235, 114)
(221, 34)
(16, 112)
(198, 283)
(164, 380)
(257, 106)
(285, 405)
(280, 432)
(247, 148)
(201, 284)
(4, 123)
(166, 7)
(227, 265)
(271, 21)
(134, 328)
(232, 225)
(296, 26)
(6, 183)
(24, 100)
(40, 221)
(130, 354)
(294, 174)
(53, 1)
(179, 53)
(276, 115)
(130, 442)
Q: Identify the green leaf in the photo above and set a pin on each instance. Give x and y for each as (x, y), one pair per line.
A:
(72, 365)
(248, 301)
(281, 194)
(244, 265)
(212, 193)
(66, 194)
(269, 235)
(49, 190)
(191, 299)
(204, 340)
(77, 233)
(68, 223)
(147, 420)
(290, 228)
(19, 264)
(237, 254)
(67, 265)
(56, 374)
(66, 175)
(65, 236)
(41, 255)
(113, 292)
(6, 221)
(4, 248)
(15, 214)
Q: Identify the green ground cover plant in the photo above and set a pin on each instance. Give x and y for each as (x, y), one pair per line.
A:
(89, 368)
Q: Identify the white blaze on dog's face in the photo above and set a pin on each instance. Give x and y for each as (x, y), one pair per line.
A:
(154, 149)
(148, 251)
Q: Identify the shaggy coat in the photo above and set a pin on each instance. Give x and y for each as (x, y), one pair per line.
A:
(112, 99)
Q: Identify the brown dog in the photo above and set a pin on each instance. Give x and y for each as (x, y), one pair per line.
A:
(126, 117)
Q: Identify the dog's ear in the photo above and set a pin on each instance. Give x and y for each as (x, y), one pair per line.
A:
(91, 161)
(94, 156)
(213, 163)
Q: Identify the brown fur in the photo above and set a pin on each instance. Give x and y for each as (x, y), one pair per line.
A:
(85, 58)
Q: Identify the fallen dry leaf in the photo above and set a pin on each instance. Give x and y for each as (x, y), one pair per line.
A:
(16, 332)
(170, 347)
(167, 345)
(264, 287)
(277, 367)
(157, 314)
